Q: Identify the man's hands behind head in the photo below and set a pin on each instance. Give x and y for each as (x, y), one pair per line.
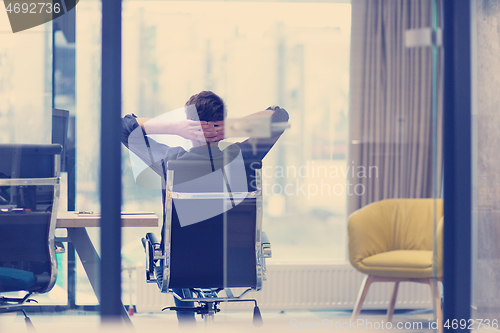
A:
(217, 131)
(210, 131)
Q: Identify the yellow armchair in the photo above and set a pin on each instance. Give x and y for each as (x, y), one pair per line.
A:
(392, 241)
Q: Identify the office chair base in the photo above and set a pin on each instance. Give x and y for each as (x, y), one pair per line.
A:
(208, 308)
(29, 324)
(201, 310)
(11, 304)
(257, 317)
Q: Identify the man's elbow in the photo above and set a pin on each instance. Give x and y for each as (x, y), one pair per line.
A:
(280, 115)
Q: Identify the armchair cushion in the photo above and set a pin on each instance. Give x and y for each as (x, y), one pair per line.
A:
(399, 263)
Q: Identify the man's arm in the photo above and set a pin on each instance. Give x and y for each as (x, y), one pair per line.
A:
(267, 112)
(276, 113)
(151, 152)
(263, 145)
(148, 150)
(188, 129)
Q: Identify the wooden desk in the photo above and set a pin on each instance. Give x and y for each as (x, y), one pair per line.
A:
(75, 220)
(76, 223)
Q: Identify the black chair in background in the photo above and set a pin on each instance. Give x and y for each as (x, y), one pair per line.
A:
(226, 250)
(29, 192)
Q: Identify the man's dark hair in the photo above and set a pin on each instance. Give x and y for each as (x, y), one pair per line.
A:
(209, 107)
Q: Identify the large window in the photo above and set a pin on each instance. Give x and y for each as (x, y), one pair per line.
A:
(253, 55)
(25, 83)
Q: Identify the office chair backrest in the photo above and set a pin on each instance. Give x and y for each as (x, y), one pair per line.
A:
(219, 251)
(29, 187)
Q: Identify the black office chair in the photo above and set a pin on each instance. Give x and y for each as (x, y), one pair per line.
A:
(212, 235)
(29, 192)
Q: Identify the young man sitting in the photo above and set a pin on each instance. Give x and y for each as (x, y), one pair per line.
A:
(204, 126)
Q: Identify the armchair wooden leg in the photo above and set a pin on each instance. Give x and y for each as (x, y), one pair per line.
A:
(363, 291)
(435, 293)
(392, 304)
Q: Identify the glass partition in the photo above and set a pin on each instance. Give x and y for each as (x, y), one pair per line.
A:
(88, 124)
(395, 146)
(485, 170)
(365, 107)
(362, 86)
(26, 108)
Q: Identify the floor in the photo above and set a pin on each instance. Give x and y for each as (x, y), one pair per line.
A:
(274, 321)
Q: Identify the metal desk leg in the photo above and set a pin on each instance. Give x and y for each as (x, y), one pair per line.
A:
(71, 271)
(91, 262)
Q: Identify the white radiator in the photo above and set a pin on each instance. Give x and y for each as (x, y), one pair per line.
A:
(304, 287)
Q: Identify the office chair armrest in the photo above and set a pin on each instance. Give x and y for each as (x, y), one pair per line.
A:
(59, 247)
(153, 252)
(266, 246)
(152, 238)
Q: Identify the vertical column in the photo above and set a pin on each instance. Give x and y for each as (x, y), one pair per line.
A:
(457, 160)
(110, 184)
